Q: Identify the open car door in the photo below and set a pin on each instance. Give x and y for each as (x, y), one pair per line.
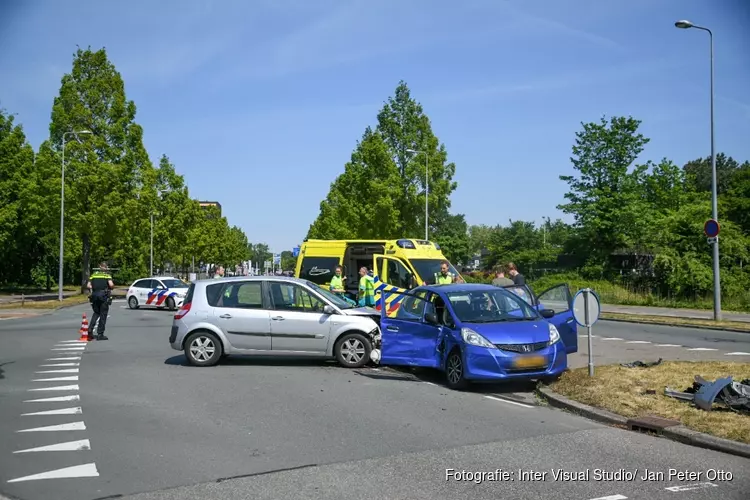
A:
(392, 278)
(559, 299)
(411, 334)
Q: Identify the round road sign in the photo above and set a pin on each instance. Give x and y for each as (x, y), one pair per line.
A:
(711, 228)
(586, 299)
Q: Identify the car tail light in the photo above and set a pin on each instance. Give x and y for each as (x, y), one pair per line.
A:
(182, 311)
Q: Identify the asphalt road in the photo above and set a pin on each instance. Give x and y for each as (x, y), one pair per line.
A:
(153, 428)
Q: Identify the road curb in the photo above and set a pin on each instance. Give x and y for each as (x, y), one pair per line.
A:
(678, 433)
(646, 322)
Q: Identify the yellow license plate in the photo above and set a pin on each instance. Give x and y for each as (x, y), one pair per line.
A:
(529, 362)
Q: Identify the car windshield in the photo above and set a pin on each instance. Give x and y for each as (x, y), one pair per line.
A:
(490, 306)
(427, 268)
(174, 283)
(332, 297)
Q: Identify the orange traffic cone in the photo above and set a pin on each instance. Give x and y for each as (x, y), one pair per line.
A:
(84, 331)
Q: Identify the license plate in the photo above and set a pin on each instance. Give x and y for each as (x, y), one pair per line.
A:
(529, 362)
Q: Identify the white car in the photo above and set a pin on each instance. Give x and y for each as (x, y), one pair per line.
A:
(160, 292)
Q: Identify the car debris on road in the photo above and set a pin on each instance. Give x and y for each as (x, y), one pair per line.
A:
(735, 395)
(641, 364)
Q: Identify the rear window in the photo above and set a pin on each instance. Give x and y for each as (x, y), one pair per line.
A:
(189, 296)
(319, 270)
(213, 292)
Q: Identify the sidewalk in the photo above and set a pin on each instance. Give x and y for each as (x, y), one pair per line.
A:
(675, 313)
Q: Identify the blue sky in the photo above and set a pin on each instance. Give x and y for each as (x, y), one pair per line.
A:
(260, 103)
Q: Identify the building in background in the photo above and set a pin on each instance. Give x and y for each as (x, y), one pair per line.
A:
(211, 204)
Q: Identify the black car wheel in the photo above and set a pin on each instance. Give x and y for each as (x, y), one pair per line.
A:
(133, 302)
(170, 304)
(203, 349)
(353, 350)
(454, 371)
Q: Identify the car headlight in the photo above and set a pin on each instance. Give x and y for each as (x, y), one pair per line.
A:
(473, 338)
(554, 335)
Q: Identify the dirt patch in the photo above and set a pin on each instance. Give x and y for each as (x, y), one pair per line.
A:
(673, 320)
(637, 392)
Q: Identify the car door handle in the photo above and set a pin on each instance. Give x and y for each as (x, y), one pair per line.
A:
(391, 328)
(278, 318)
(226, 316)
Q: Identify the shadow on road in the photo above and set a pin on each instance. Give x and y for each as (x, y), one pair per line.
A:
(240, 360)
(507, 389)
(2, 372)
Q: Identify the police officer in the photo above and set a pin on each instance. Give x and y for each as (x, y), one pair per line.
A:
(100, 286)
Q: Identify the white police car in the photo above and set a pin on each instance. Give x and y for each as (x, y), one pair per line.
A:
(159, 292)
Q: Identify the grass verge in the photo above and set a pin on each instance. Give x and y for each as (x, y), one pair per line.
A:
(46, 304)
(624, 391)
(673, 320)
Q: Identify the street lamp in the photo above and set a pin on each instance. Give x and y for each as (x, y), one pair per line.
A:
(152, 245)
(62, 212)
(684, 24)
(426, 190)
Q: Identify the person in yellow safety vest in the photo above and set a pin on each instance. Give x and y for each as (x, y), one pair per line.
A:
(366, 288)
(444, 277)
(337, 286)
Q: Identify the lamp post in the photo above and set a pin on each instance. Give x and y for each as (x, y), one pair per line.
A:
(683, 24)
(62, 213)
(152, 245)
(426, 190)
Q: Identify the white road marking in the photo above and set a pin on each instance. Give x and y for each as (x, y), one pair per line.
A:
(74, 426)
(86, 470)
(586, 336)
(612, 497)
(64, 359)
(611, 338)
(689, 487)
(67, 370)
(638, 342)
(63, 364)
(68, 348)
(57, 399)
(668, 345)
(429, 383)
(702, 349)
(83, 444)
(58, 388)
(72, 341)
(62, 411)
(737, 354)
(56, 379)
(503, 400)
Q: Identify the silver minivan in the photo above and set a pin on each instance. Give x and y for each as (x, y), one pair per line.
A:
(271, 316)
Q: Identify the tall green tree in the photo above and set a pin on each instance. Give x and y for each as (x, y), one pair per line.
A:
(20, 244)
(106, 193)
(699, 173)
(605, 196)
(452, 234)
(381, 193)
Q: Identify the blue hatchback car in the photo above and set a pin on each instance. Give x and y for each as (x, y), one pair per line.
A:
(481, 333)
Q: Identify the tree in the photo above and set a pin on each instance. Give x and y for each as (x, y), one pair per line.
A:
(378, 194)
(452, 235)
(737, 199)
(106, 195)
(19, 242)
(699, 174)
(288, 261)
(605, 198)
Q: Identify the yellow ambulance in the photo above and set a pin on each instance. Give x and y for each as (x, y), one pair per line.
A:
(396, 265)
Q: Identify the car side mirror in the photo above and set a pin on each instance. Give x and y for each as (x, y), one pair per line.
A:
(547, 313)
(431, 318)
(328, 310)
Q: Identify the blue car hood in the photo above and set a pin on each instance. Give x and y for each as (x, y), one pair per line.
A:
(512, 332)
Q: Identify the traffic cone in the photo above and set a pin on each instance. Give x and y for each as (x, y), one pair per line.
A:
(84, 331)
